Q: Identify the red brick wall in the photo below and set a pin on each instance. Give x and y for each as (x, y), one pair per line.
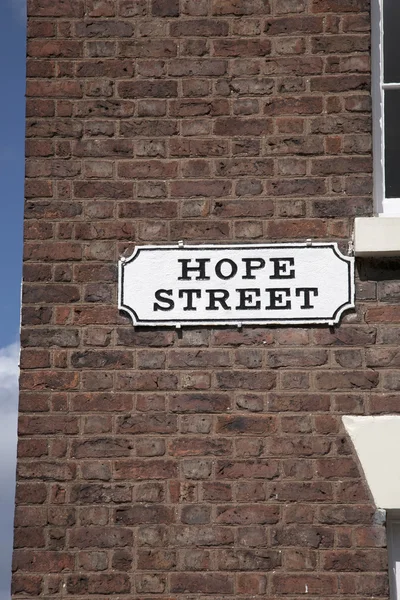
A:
(209, 462)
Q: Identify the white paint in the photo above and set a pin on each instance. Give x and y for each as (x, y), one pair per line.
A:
(374, 237)
(377, 104)
(377, 443)
(393, 541)
(383, 206)
(259, 283)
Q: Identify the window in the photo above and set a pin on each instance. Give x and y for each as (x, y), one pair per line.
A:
(393, 541)
(386, 105)
(376, 236)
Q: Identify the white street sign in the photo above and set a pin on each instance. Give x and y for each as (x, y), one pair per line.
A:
(236, 284)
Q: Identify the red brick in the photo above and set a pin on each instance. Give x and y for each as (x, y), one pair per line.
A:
(105, 68)
(325, 584)
(158, 423)
(200, 402)
(164, 560)
(336, 468)
(42, 561)
(214, 188)
(104, 29)
(246, 424)
(199, 27)
(144, 514)
(304, 491)
(355, 560)
(29, 585)
(244, 380)
(248, 514)
(293, 25)
(242, 127)
(247, 469)
(61, 8)
(347, 380)
(54, 49)
(54, 89)
(165, 8)
(100, 537)
(210, 583)
(197, 67)
(138, 469)
(200, 447)
(340, 6)
(237, 8)
(233, 47)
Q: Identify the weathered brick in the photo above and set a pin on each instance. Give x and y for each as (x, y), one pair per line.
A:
(244, 380)
(355, 560)
(142, 469)
(296, 584)
(144, 514)
(296, 358)
(160, 560)
(186, 67)
(339, 6)
(100, 537)
(42, 561)
(247, 514)
(200, 447)
(62, 8)
(249, 560)
(165, 8)
(347, 380)
(246, 469)
(232, 48)
(242, 127)
(158, 423)
(203, 461)
(237, 8)
(205, 583)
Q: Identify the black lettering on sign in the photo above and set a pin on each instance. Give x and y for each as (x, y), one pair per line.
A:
(306, 293)
(230, 272)
(252, 264)
(201, 268)
(190, 294)
(281, 266)
(218, 296)
(162, 296)
(246, 299)
(277, 299)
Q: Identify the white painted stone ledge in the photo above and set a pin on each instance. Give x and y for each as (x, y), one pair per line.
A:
(377, 443)
(377, 236)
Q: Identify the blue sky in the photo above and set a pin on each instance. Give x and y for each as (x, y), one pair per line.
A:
(12, 111)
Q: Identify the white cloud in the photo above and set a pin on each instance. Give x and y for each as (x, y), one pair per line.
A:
(9, 358)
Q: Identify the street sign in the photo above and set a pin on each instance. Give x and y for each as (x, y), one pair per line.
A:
(275, 284)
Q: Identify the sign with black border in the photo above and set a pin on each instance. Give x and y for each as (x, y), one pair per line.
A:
(236, 284)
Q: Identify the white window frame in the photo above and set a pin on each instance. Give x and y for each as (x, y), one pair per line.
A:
(379, 235)
(384, 207)
(393, 544)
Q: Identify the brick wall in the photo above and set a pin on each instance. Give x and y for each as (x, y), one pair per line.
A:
(206, 463)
